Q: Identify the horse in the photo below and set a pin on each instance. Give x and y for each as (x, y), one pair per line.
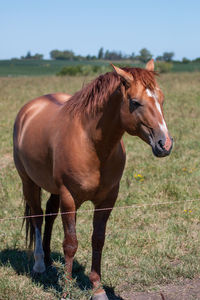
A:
(71, 146)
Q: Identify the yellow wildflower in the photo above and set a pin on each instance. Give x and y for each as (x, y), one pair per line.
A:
(139, 177)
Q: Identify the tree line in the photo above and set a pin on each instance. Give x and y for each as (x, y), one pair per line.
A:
(143, 56)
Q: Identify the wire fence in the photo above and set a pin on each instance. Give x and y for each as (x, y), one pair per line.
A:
(139, 206)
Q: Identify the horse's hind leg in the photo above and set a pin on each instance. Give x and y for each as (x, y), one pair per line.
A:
(70, 243)
(52, 207)
(32, 194)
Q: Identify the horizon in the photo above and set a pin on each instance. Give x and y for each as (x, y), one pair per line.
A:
(95, 56)
(85, 27)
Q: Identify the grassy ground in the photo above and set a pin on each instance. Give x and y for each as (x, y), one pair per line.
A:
(147, 246)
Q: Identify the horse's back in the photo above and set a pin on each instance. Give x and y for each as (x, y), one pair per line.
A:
(31, 133)
(58, 98)
(35, 111)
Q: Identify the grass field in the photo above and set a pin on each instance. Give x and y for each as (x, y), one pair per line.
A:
(38, 67)
(14, 67)
(147, 246)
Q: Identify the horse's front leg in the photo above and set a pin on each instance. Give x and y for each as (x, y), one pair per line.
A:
(99, 228)
(70, 243)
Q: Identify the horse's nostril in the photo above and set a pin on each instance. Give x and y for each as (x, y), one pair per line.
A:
(161, 144)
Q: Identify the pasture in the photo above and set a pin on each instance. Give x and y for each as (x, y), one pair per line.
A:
(148, 246)
(17, 67)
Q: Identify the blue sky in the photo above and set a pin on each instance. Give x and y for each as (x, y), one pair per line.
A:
(85, 26)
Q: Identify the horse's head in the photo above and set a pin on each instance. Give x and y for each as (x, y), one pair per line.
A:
(142, 108)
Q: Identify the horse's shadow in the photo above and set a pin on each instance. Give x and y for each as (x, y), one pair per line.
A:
(22, 263)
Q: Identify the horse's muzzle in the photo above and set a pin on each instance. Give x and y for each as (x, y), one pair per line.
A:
(159, 148)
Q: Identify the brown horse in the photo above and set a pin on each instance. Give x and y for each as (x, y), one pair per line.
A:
(72, 147)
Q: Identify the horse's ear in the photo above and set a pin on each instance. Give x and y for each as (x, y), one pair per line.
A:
(123, 74)
(150, 65)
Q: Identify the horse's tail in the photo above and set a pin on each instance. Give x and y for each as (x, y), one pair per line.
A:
(30, 230)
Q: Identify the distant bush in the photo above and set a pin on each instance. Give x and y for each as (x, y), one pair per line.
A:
(69, 70)
(197, 60)
(163, 67)
(84, 70)
(185, 60)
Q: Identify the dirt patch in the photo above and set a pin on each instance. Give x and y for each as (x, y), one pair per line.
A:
(186, 290)
(5, 160)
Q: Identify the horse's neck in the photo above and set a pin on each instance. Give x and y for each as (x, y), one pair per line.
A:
(105, 130)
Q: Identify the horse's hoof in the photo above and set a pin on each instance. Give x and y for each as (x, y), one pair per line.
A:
(36, 275)
(100, 296)
(39, 268)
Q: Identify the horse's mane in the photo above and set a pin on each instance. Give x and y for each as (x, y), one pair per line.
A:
(92, 98)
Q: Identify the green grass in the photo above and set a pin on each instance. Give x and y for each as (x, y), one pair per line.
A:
(186, 67)
(37, 67)
(146, 246)
(14, 67)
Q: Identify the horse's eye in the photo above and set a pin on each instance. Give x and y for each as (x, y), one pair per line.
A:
(134, 104)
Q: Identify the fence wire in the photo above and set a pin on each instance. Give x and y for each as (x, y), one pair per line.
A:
(139, 206)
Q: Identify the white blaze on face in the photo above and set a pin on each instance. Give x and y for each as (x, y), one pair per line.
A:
(162, 125)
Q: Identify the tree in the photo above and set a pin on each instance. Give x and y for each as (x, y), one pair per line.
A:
(159, 58)
(67, 54)
(28, 55)
(132, 56)
(145, 55)
(37, 56)
(100, 53)
(167, 56)
(54, 54)
(62, 55)
(113, 55)
(185, 60)
(197, 60)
